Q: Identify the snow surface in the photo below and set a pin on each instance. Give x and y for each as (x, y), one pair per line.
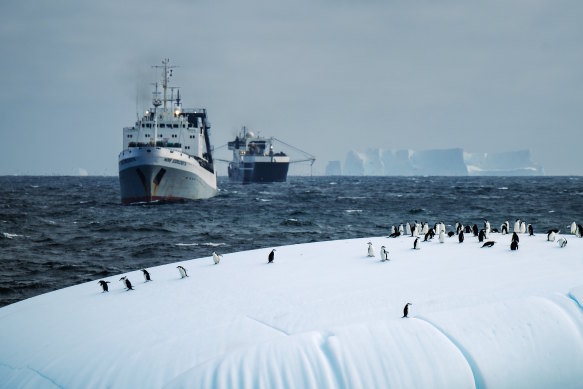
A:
(322, 315)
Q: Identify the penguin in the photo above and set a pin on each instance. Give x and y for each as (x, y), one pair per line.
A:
(437, 228)
(425, 228)
(468, 230)
(384, 254)
(104, 285)
(495, 230)
(216, 258)
(370, 252)
(551, 236)
(146, 275)
(504, 229)
(515, 237)
(408, 228)
(489, 243)
(429, 235)
(523, 228)
(443, 226)
(530, 230)
(406, 310)
(481, 236)
(401, 229)
(461, 237)
(393, 230)
(562, 242)
(579, 231)
(487, 226)
(517, 225)
(514, 245)
(416, 244)
(414, 231)
(457, 227)
(127, 283)
(450, 234)
(271, 255)
(442, 237)
(573, 228)
(395, 234)
(475, 229)
(182, 271)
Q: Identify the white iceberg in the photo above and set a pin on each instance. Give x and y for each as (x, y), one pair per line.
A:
(322, 315)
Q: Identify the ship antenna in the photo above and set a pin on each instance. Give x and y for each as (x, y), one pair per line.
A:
(156, 102)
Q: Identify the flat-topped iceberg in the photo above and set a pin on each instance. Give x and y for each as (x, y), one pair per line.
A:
(322, 315)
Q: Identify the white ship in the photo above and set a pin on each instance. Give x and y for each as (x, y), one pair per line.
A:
(167, 153)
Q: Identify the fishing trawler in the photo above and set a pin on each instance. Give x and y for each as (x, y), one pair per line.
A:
(254, 159)
(167, 155)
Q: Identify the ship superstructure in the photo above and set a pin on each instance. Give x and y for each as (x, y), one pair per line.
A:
(167, 155)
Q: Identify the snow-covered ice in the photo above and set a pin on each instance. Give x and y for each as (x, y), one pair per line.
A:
(322, 315)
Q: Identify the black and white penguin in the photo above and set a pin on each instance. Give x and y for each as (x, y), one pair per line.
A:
(216, 258)
(515, 237)
(408, 228)
(487, 226)
(495, 230)
(523, 227)
(395, 234)
(414, 230)
(481, 236)
(127, 283)
(461, 237)
(437, 228)
(516, 226)
(530, 230)
(442, 236)
(489, 243)
(416, 244)
(425, 228)
(468, 229)
(562, 242)
(475, 229)
(457, 227)
(370, 252)
(573, 228)
(406, 310)
(182, 271)
(393, 229)
(384, 254)
(504, 229)
(514, 245)
(104, 285)
(551, 236)
(579, 232)
(450, 234)
(401, 229)
(146, 275)
(271, 255)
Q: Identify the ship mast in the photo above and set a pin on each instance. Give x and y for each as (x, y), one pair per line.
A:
(167, 74)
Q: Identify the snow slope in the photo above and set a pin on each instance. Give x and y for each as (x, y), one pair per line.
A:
(322, 315)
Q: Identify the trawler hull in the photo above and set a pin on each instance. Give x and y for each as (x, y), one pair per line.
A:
(155, 174)
(247, 172)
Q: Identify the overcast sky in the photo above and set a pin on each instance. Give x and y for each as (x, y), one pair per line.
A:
(325, 76)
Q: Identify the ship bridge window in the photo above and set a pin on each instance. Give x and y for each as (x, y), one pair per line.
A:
(175, 125)
(143, 125)
(162, 125)
(148, 125)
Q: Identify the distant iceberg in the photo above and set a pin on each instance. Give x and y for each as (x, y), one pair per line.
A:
(438, 162)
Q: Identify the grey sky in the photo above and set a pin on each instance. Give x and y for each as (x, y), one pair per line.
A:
(326, 76)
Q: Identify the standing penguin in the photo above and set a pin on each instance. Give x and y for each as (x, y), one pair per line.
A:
(384, 254)
(127, 283)
(370, 250)
(461, 237)
(562, 242)
(406, 310)
(104, 285)
(408, 228)
(573, 228)
(551, 236)
(475, 230)
(216, 258)
(271, 256)
(517, 225)
(514, 245)
(441, 236)
(530, 230)
(481, 236)
(523, 228)
(515, 237)
(487, 226)
(182, 271)
(146, 275)
(504, 228)
(401, 229)
(416, 244)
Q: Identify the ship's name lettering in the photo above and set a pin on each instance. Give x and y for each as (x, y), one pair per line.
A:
(175, 161)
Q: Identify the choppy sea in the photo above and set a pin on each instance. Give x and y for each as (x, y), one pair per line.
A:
(61, 231)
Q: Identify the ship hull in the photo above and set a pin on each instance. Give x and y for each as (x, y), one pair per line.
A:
(152, 174)
(258, 172)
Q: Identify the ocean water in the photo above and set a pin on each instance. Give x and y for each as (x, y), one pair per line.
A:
(61, 231)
